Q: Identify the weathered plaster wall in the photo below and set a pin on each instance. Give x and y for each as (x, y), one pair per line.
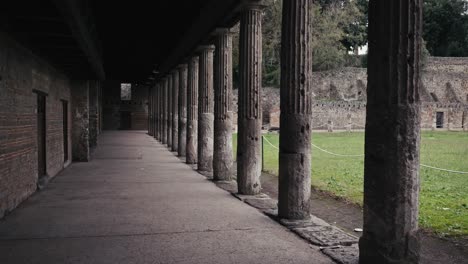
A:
(20, 73)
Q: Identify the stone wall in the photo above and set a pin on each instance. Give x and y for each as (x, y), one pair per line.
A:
(22, 73)
(113, 106)
(340, 97)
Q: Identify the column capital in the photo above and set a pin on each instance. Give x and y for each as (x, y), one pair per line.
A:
(182, 66)
(221, 31)
(253, 4)
(201, 48)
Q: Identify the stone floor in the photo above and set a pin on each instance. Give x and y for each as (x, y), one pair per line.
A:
(135, 202)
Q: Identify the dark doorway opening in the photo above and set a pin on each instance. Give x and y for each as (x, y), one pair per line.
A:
(125, 120)
(65, 130)
(41, 135)
(440, 120)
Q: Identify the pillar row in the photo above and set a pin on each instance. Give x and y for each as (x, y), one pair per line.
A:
(192, 111)
(182, 131)
(205, 109)
(175, 109)
(296, 110)
(169, 111)
(249, 158)
(222, 145)
(392, 139)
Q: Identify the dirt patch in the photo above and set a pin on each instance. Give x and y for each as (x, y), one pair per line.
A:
(348, 216)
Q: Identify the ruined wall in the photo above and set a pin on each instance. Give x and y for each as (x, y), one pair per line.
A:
(340, 97)
(113, 107)
(21, 72)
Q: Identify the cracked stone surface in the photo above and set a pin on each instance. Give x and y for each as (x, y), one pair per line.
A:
(262, 203)
(343, 254)
(230, 186)
(312, 221)
(152, 210)
(325, 235)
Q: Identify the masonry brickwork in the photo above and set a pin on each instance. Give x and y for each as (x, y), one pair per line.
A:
(340, 97)
(22, 75)
(113, 107)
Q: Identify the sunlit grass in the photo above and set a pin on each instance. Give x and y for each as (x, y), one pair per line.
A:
(443, 197)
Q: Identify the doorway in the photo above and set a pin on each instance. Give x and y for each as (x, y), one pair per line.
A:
(65, 130)
(41, 135)
(440, 120)
(125, 120)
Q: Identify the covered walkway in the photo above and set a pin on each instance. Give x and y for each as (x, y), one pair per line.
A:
(136, 202)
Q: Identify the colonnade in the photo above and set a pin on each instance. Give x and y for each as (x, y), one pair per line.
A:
(191, 112)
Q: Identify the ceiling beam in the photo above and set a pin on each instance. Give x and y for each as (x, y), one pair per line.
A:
(212, 16)
(77, 19)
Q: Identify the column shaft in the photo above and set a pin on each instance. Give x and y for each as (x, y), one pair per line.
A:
(222, 146)
(169, 110)
(150, 108)
(249, 158)
(164, 112)
(205, 109)
(182, 137)
(296, 110)
(158, 111)
(175, 109)
(192, 111)
(392, 140)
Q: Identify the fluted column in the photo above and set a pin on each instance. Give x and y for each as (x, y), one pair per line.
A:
(175, 109)
(205, 109)
(164, 100)
(249, 158)
(392, 140)
(169, 110)
(182, 132)
(192, 111)
(222, 144)
(158, 109)
(150, 110)
(155, 111)
(296, 110)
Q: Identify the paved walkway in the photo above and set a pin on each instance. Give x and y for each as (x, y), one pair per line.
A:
(138, 203)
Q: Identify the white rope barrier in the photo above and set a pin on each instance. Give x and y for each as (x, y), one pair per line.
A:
(446, 170)
(270, 143)
(335, 154)
(362, 155)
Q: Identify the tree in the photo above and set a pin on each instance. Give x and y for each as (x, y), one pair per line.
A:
(446, 27)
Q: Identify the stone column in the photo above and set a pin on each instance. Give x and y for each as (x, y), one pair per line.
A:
(155, 110)
(222, 146)
(93, 113)
(158, 110)
(80, 120)
(249, 160)
(296, 110)
(150, 112)
(205, 109)
(169, 111)
(182, 137)
(164, 111)
(392, 140)
(192, 112)
(175, 109)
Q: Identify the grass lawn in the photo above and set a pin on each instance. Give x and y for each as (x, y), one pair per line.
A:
(443, 197)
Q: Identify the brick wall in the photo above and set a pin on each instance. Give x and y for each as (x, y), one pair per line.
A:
(20, 73)
(113, 106)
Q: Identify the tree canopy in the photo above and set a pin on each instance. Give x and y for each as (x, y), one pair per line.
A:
(446, 27)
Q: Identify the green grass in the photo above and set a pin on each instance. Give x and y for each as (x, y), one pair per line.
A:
(443, 197)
